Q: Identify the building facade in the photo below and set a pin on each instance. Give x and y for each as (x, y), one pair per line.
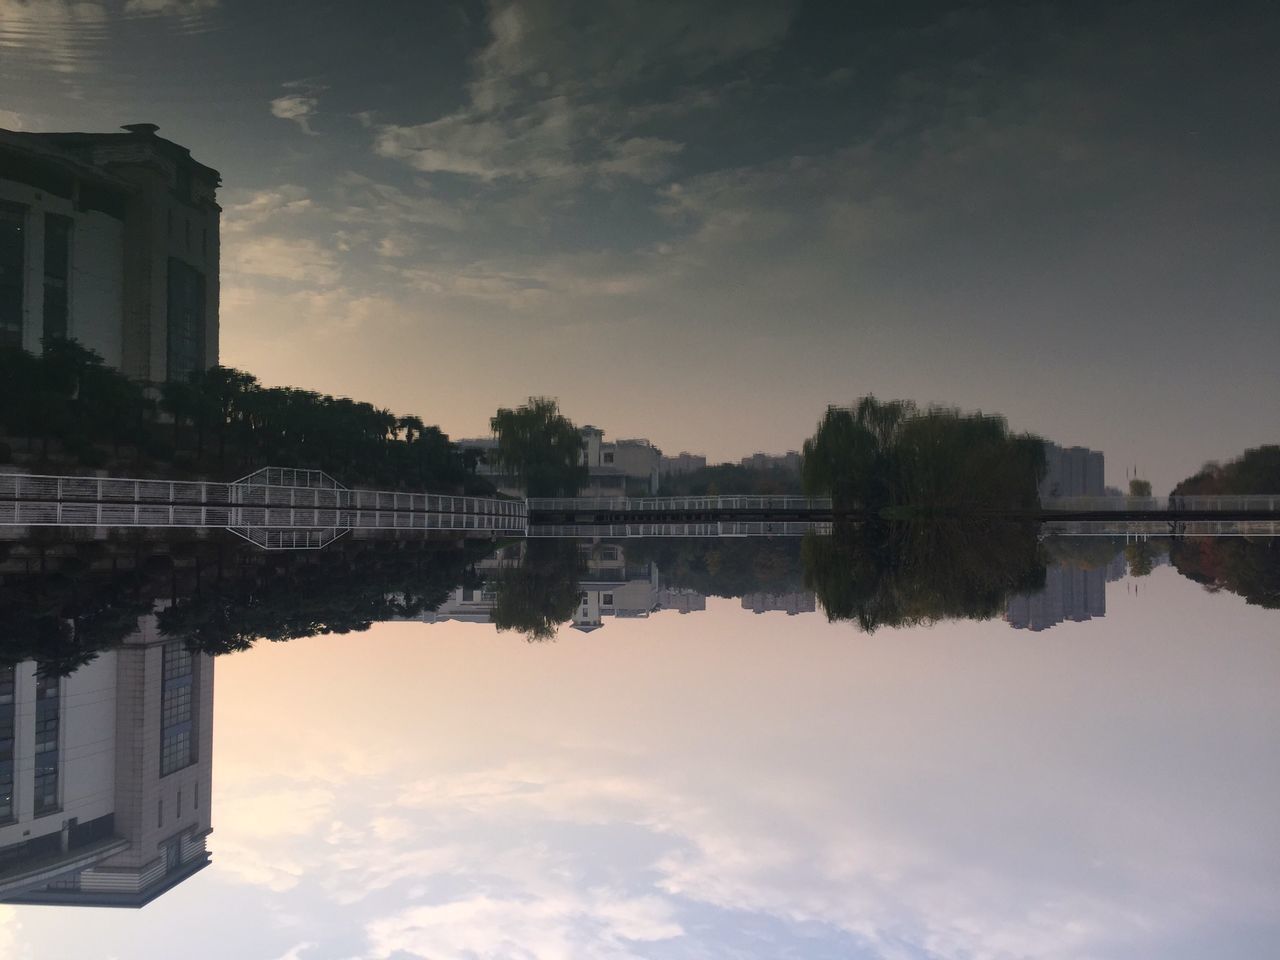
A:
(106, 775)
(112, 240)
(1073, 472)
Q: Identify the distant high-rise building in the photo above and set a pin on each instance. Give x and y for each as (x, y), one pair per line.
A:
(765, 461)
(1072, 472)
(110, 239)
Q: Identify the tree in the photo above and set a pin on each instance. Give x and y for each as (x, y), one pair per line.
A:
(541, 592)
(540, 448)
(1139, 488)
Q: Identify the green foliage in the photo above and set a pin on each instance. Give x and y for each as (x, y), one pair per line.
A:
(878, 458)
(1139, 488)
(540, 448)
(917, 573)
(223, 421)
(541, 592)
(1256, 471)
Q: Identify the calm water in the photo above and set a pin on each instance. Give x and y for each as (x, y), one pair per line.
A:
(1083, 775)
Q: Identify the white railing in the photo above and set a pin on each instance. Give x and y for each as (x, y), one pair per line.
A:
(319, 504)
(723, 528)
(1253, 503)
(684, 504)
(1162, 528)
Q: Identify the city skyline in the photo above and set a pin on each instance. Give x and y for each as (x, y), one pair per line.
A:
(758, 194)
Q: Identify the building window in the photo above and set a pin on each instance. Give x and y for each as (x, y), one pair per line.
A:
(607, 600)
(13, 240)
(185, 320)
(608, 458)
(57, 263)
(48, 714)
(177, 745)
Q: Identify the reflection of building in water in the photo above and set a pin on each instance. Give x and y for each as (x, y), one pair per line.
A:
(1070, 593)
(105, 775)
(1072, 472)
(682, 600)
(800, 601)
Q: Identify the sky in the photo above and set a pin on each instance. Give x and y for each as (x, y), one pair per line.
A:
(703, 222)
(725, 785)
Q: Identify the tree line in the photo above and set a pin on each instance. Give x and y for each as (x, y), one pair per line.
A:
(69, 407)
(881, 458)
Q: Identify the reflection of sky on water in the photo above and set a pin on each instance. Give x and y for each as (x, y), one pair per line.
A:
(730, 785)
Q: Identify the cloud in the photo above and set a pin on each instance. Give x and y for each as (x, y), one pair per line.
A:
(297, 259)
(10, 120)
(264, 206)
(552, 94)
(595, 925)
(169, 8)
(296, 107)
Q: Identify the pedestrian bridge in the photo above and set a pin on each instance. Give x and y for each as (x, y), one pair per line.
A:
(276, 508)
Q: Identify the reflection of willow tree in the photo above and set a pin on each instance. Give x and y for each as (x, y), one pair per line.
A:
(342, 589)
(537, 595)
(1247, 567)
(905, 574)
(878, 456)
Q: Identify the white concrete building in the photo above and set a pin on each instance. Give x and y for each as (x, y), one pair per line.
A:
(106, 775)
(110, 239)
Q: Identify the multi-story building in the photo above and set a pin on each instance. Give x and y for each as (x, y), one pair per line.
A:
(613, 465)
(105, 775)
(110, 239)
(1072, 472)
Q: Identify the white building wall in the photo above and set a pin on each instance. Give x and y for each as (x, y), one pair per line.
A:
(86, 774)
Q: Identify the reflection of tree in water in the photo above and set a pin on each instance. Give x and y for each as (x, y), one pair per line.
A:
(541, 592)
(1244, 566)
(913, 573)
(341, 589)
(62, 604)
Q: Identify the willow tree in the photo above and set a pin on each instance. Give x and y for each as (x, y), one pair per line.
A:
(540, 448)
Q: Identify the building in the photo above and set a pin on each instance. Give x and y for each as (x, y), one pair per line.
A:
(789, 461)
(684, 462)
(615, 467)
(105, 775)
(110, 239)
(1072, 472)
